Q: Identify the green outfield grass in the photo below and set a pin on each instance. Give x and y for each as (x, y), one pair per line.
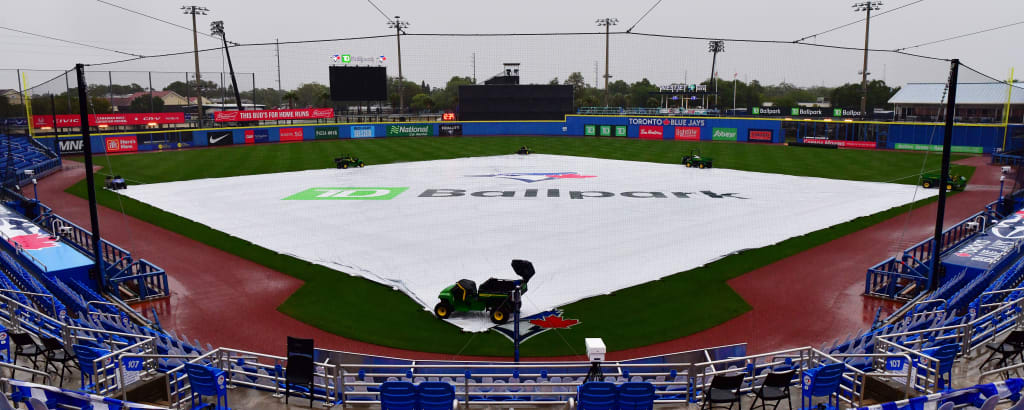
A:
(360, 309)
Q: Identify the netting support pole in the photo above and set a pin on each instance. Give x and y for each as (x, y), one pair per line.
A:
(83, 111)
(947, 140)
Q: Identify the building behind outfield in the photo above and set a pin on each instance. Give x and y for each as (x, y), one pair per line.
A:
(975, 102)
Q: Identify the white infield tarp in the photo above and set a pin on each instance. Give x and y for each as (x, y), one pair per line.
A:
(590, 226)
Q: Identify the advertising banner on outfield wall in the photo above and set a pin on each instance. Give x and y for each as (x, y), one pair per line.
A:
(257, 136)
(766, 111)
(723, 134)
(841, 143)
(361, 131)
(71, 146)
(808, 112)
(326, 133)
(218, 138)
(290, 134)
(111, 119)
(759, 135)
(652, 132)
(410, 130)
(938, 148)
(124, 143)
(688, 133)
(590, 130)
(450, 129)
(272, 115)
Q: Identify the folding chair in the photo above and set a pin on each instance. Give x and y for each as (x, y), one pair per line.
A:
(300, 367)
(723, 389)
(774, 387)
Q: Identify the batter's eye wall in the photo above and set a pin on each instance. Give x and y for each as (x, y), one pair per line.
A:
(514, 102)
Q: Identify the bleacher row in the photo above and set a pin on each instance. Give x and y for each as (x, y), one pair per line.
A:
(21, 153)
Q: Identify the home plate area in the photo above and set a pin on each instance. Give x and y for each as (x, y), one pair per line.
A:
(589, 226)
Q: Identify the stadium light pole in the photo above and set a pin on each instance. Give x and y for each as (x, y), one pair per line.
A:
(866, 7)
(607, 23)
(715, 47)
(399, 25)
(194, 10)
(217, 29)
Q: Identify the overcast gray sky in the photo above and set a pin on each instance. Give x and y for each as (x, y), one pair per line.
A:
(434, 60)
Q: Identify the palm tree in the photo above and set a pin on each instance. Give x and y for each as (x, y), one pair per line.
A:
(291, 97)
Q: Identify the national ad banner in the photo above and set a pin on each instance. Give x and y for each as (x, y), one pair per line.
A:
(257, 136)
(361, 131)
(938, 148)
(841, 143)
(688, 133)
(291, 134)
(124, 143)
(410, 130)
(326, 133)
(723, 134)
(450, 130)
(651, 132)
(40, 121)
(273, 115)
(219, 138)
(759, 135)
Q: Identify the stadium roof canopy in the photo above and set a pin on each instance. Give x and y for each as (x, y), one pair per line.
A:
(966, 93)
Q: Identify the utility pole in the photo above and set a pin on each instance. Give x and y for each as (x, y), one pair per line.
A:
(607, 23)
(398, 25)
(217, 28)
(715, 47)
(277, 51)
(866, 7)
(474, 68)
(194, 10)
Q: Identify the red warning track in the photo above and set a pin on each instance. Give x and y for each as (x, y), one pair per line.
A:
(807, 299)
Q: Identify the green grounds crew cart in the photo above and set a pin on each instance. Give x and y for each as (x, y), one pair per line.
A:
(955, 182)
(495, 296)
(696, 160)
(347, 161)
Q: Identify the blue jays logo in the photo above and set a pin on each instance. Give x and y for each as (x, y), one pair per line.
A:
(534, 325)
(529, 177)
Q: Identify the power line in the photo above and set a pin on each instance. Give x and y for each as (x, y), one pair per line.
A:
(630, 29)
(157, 19)
(381, 11)
(71, 42)
(962, 35)
(858, 21)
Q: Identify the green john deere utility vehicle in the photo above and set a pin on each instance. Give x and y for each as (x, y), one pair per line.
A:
(495, 296)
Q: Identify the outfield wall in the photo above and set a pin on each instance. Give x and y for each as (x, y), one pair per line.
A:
(975, 138)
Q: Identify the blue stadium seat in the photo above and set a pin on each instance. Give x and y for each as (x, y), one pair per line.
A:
(398, 396)
(597, 396)
(435, 396)
(636, 396)
(207, 381)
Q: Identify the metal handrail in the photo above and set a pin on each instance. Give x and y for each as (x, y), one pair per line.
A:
(53, 300)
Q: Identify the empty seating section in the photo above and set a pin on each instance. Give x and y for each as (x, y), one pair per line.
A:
(18, 154)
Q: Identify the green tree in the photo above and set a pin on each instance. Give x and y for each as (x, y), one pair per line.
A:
(447, 98)
(209, 88)
(100, 105)
(118, 89)
(409, 89)
(144, 103)
(849, 95)
(291, 97)
(421, 102)
(577, 82)
(309, 94)
(640, 94)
